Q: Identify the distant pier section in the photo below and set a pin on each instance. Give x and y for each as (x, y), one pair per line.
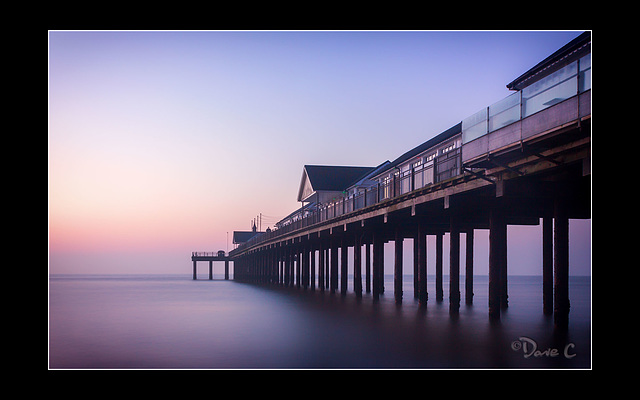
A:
(210, 257)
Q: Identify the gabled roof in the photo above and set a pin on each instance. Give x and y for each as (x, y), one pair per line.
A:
(365, 180)
(568, 53)
(329, 178)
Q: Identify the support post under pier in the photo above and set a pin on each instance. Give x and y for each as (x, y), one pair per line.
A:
(454, 266)
(561, 265)
(547, 265)
(439, 288)
(397, 272)
(367, 266)
(497, 248)
(334, 266)
(321, 264)
(469, 268)
(306, 270)
(344, 251)
(421, 258)
(357, 266)
(378, 265)
(312, 267)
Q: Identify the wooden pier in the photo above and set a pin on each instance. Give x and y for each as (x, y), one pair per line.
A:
(487, 172)
(457, 208)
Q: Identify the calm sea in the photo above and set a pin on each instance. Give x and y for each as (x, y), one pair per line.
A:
(174, 322)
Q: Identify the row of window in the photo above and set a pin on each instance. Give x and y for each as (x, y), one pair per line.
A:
(567, 82)
(432, 166)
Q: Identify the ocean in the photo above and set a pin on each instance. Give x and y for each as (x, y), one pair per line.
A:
(174, 322)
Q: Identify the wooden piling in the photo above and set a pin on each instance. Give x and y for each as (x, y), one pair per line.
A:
(280, 265)
(397, 271)
(421, 238)
(439, 287)
(378, 264)
(334, 265)
(327, 267)
(367, 266)
(561, 264)
(497, 247)
(312, 268)
(469, 267)
(344, 251)
(454, 266)
(300, 266)
(321, 268)
(504, 294)
(287, 267)
(357, 266)
(547, 265)
(305, 266)
(416, 282)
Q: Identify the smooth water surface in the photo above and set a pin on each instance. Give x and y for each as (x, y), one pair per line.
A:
(173, 322)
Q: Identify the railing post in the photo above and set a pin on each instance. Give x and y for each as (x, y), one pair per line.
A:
(413, 183)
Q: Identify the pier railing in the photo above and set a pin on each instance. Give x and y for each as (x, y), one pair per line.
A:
(567, 82)
(208, 254)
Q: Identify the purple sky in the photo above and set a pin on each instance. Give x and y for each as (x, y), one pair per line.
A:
(162, 142)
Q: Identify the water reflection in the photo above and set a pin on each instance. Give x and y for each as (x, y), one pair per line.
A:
(440, 336)
(225, 324)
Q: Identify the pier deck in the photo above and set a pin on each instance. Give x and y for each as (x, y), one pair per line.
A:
(210, 257)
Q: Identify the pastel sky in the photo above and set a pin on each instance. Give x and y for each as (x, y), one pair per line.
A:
(162, 142)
